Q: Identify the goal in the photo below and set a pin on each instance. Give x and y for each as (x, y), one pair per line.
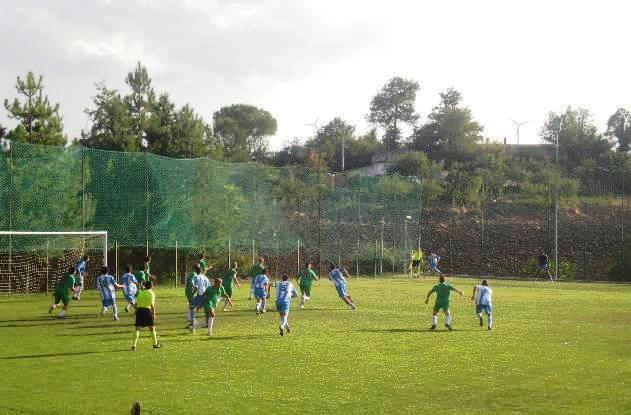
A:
(32, 262)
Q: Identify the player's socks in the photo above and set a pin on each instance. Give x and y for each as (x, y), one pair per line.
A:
(115, 310)
(280, 330)
(136, 335)
(211, 320)
(154, 334)
(281, 322)
(263, 305)
(104, 310)
(62, 314)
(288, 328)
(434, 320)
(481, 320)
(490, 322)
(448, 320)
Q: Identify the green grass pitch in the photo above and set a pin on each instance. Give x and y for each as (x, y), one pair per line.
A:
(555, 348)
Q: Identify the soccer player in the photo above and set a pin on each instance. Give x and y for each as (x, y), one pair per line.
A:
(305, 282)
(416, 260)
(146, 314)
(141, 278)
(337, 276)
(482, 294)
(199, 288)
(107, 286)
(443, 292)
(202, 262)
(543, 266)
(189, 291)
(62, 292)
(81, 267)
(130, 287)
(261, 293)
(285, 291)
(147, 268)
(228, 283)
(209, 302)
(257, 269)
(432, 260)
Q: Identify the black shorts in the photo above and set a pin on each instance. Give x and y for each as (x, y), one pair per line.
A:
(416, 262)
(144, 317)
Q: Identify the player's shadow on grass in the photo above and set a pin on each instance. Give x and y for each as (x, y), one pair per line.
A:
(410, 330)
(26, 324)
(37, 356)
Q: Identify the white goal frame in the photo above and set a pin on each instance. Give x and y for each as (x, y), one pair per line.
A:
(86, 233)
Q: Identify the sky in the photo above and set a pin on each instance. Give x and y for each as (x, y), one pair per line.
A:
(314, 60)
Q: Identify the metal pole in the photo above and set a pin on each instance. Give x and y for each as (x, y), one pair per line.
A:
(82, 190)
(147, 201)
(47, 264)
(253, 252)
(556, 212)
(177, 277)
(342, 152)
(116, 260)
(383, 224)
(298, 258)
(339, 253)
(229, 253)
(375, 261)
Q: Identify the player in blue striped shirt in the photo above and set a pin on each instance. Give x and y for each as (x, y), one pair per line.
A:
(130, 287)
(337, 276)
(81, 267)
(261, 293)
(432, 260)
(285, 291)
(106, 284)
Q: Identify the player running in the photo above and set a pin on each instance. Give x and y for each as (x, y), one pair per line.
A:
(443, 292)
(199, 288)
(261, 293)
(147, 268)
(433, 260)
(106, 284)
(62, 292)
(257, 269)
(482, 294)
(285, 291)
(228, 283)
(415, 263)
(146, 314)
(337, 276)
(543, 266)
(305, 282)
(209, 302)
(82, 266)
(189, 291)
(130, 287)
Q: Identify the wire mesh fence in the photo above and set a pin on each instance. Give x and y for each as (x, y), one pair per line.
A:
(175, 209)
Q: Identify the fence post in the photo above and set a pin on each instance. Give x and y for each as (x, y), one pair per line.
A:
(177, 277)
(375, 260)
(47, 264)
(116, 260)
(298, 258)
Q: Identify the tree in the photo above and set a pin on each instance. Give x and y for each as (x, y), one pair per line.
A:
(3, 131)
(141, 101)
(580, 143)
(619, 126)
(394, 105)
(39, 122)
(243, 130)
(328, 141)
(451, 133)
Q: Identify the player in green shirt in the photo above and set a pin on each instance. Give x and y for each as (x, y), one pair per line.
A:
(62, 292)
(443, 292)
(209, 302)
(189, 291)
(141, 277)
(257, 269)
(202, 262)
(146, 266)
(228, 282)
(305, 282)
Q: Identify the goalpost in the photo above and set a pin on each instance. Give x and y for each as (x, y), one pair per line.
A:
(35, 261)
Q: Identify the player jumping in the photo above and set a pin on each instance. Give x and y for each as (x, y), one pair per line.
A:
(62, 292)
(482, 294)
(228, 283)
(107, 286)
(337, 276)
(285, 291)
(81, 267)
(305, 282)
(443, 292)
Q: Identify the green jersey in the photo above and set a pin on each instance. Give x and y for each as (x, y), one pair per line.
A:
(202, 265)
(229, 277)
(443, 291)
(148, 268)
(211, 296)
(306, 277)
(257, 270)
(188, 290)
(64, 286)
(141, 277)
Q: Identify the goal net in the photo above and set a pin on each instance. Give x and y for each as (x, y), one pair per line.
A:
(32, 262)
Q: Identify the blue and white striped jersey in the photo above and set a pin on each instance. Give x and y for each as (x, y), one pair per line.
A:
(483, 294)
(202, 283)
(130, 284)
(285, 291)
(81, 266)
(337, 275)
(106, 285)
(261, 281)
(433, 260)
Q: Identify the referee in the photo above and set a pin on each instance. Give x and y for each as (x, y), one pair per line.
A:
(146, 314)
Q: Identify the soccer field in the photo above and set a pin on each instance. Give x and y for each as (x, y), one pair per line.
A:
(561, 348)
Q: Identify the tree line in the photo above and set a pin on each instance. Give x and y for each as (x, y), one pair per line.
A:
(449, 143)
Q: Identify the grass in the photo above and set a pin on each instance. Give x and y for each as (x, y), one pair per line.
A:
(560, 348)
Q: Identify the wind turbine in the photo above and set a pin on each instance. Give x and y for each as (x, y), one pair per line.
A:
(518, 124)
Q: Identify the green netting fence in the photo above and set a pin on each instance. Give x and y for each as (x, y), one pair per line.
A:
(154, 204)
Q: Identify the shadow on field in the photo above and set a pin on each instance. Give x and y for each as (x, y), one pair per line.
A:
(36, 356)
(27, 323)
(412, 330)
